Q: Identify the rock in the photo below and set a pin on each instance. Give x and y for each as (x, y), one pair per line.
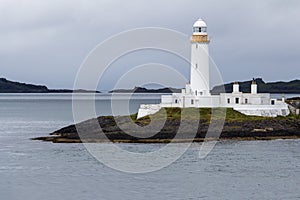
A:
(237, 126)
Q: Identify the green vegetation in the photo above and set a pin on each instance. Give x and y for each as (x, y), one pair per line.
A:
(291, 116)
(205, 114)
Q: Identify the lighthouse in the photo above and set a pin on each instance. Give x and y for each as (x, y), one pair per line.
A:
(199, 80)
(196, 93)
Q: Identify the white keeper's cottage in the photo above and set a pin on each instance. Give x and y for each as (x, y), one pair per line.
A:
(197, 93)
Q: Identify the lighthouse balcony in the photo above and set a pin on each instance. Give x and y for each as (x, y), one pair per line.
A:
(200, 38)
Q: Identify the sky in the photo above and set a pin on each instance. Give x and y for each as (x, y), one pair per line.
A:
(45, 42)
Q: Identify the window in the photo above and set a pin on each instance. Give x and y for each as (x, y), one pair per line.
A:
(196, 92)
(176, 100)
(200, 29)
(201, 93)
(196, 66)
(192, 101)
(228, 101)
(272, 102)
(237, 100)
(246, 101)
(196, 46)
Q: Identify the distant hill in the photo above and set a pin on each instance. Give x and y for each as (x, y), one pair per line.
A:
(292, 87)
(145, 90)
(7, 86)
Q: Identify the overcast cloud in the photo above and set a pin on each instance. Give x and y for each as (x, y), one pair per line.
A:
(44, 42)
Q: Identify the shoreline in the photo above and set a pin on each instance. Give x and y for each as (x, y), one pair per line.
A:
(164, 141)
(236, 127)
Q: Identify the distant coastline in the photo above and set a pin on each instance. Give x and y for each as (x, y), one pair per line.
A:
(145, 90)
(7, 86)
(280, 87)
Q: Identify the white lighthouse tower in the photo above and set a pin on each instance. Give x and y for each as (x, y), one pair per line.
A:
(199, 81)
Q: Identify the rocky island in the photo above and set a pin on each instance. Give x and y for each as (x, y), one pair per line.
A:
(236, 127)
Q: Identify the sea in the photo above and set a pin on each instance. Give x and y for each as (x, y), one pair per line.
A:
(37, 170)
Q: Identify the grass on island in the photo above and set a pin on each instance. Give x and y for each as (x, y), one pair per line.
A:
(206, 114)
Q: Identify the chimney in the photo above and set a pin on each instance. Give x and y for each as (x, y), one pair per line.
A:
(253, 87)
(236, 87)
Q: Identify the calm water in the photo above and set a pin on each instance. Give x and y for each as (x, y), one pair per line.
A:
(38, 170)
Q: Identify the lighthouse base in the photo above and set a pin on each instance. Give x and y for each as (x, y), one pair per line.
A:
(248, 104)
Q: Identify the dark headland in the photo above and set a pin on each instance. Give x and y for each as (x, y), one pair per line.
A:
(237, 127)
(7, 86)
(279, 87)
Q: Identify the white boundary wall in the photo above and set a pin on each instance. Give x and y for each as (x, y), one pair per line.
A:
(256, 104)
(263, 110)
(149, 109)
